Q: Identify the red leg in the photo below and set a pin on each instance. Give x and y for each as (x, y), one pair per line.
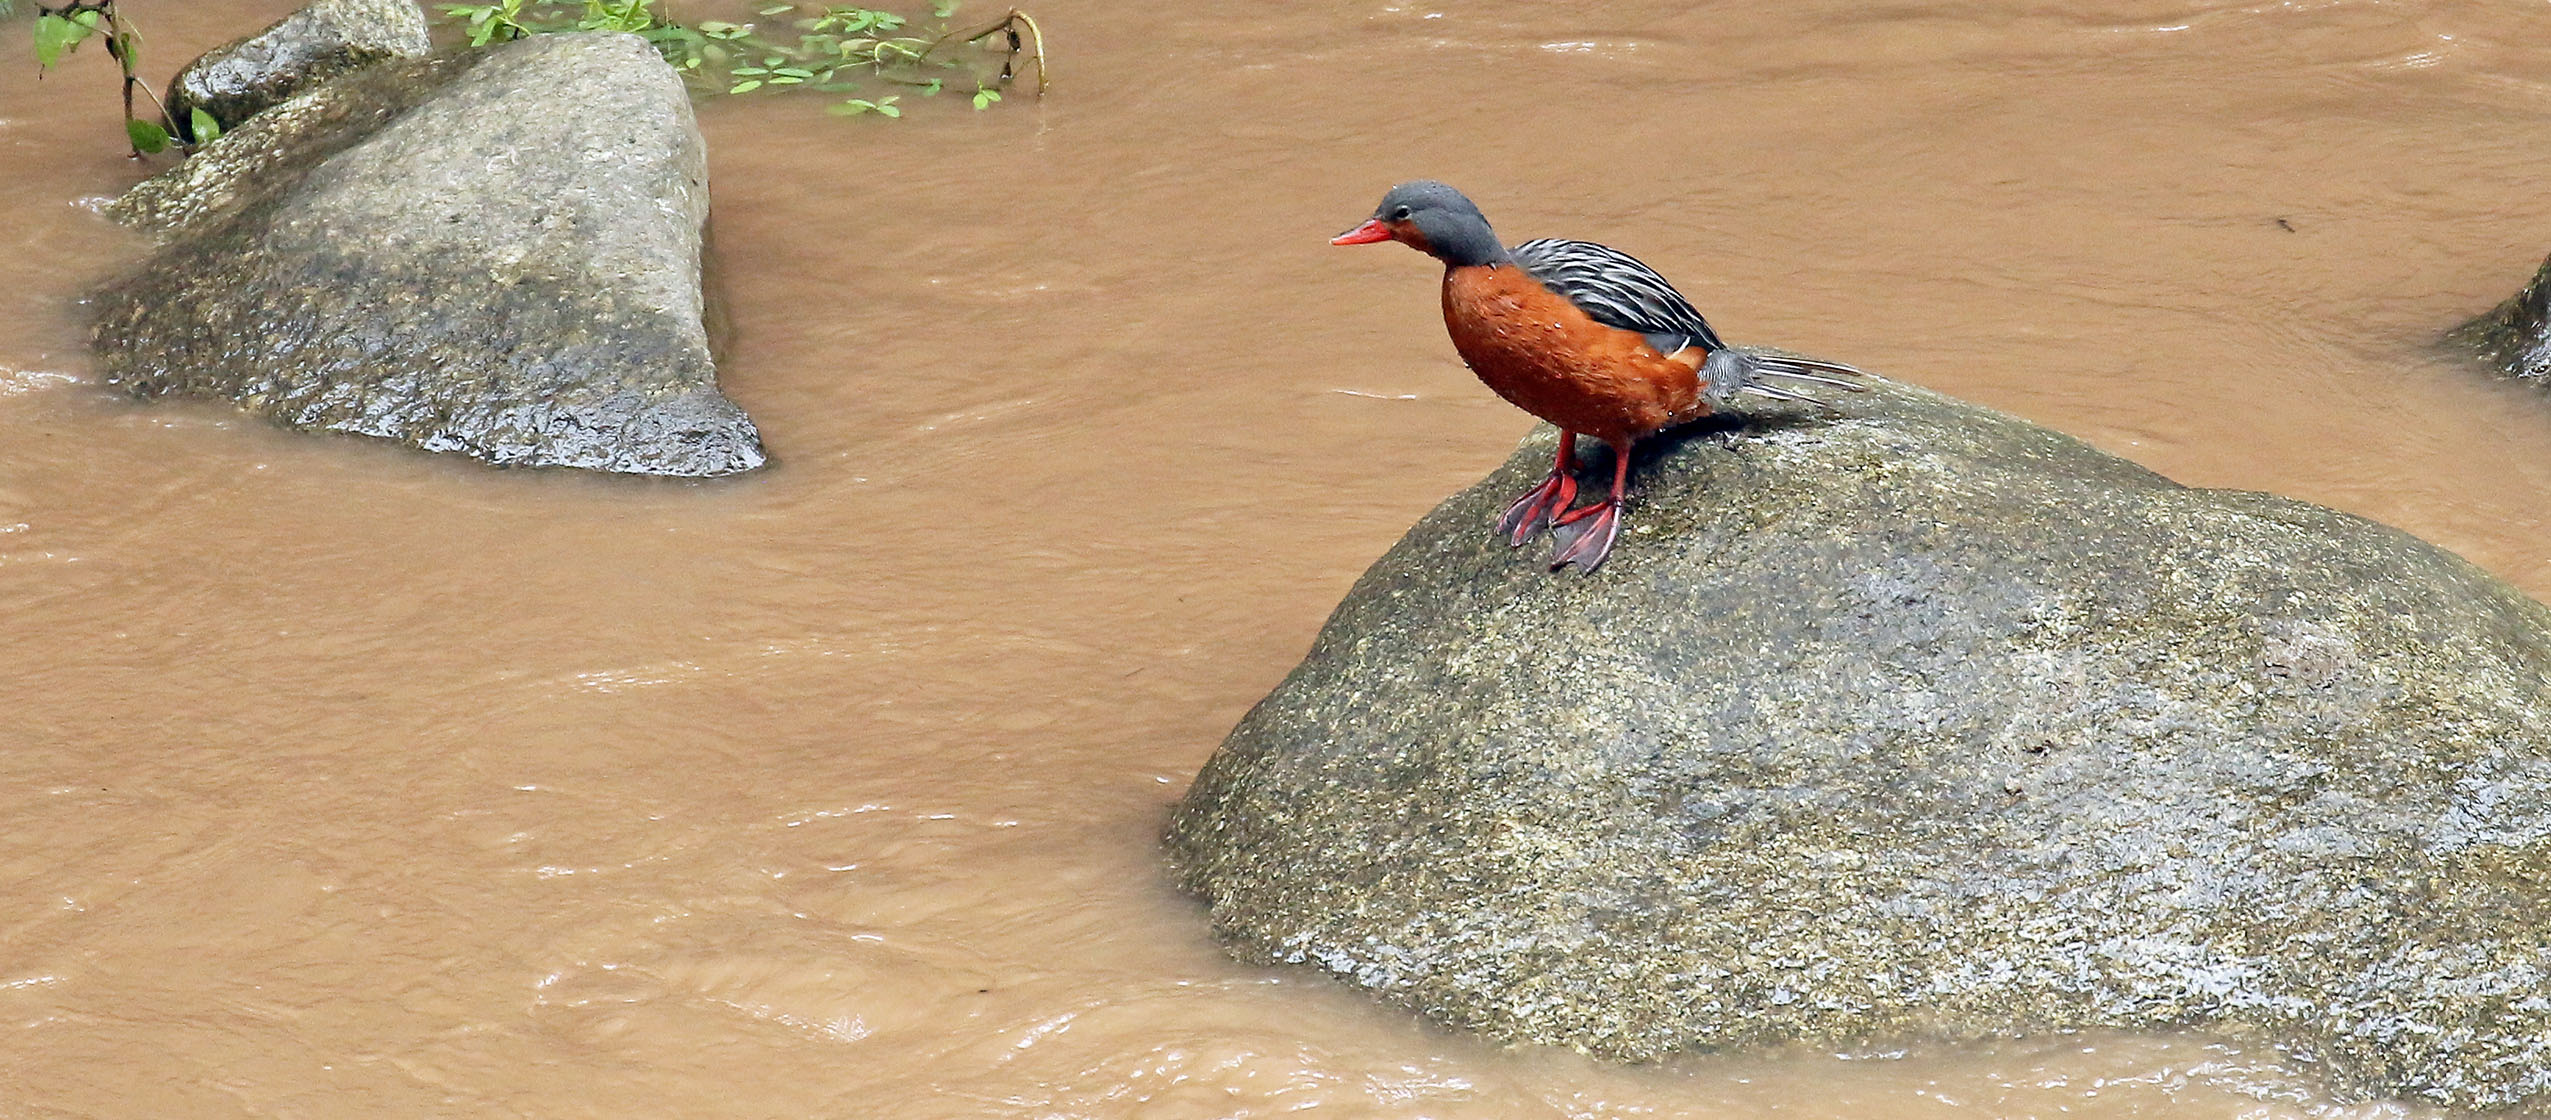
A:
(1585, 535)
(1548, 499)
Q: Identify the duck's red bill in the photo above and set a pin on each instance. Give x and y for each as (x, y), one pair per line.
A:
(1365, 234)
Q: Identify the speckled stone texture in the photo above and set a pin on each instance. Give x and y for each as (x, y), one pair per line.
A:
(1908, 720)
(2515, 336)
(493, 252)
(237, 80)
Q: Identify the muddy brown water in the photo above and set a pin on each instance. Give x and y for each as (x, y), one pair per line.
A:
(340, 780)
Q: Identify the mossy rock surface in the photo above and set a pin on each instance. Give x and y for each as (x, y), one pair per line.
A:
(1909, 720)
(494, 252)
(248, 75)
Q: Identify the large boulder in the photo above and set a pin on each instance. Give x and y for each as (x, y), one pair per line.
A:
(2515, 336)
(237, 80)
(1909, 720)
(495, 252)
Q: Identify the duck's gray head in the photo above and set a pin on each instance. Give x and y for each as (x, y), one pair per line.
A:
(1434, 219)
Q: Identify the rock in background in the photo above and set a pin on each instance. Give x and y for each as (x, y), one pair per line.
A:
(1911, 720)
(2515, 336)
(495, 252)
(332, 37)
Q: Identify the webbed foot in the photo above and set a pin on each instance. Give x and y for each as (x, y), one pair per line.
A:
(1585, 536)
(1525, 518)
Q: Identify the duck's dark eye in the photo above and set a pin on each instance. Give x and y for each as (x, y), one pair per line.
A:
(1399, 214)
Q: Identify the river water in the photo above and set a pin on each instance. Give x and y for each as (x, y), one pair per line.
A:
(342, 780)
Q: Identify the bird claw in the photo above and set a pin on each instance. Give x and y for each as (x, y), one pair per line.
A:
(1585, 536)
(1547, 500)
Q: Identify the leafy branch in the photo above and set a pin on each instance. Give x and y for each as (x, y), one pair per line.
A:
(833, 49)
(61, 28)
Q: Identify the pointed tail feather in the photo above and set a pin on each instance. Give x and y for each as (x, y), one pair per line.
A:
(1761, 390)
(1797, 361)
(1772, 365)
(1728, 372)
(1789, 375)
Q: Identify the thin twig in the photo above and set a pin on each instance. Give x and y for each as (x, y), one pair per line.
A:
(1010, 24)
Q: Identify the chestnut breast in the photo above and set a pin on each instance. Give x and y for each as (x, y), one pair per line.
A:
(1544, 354)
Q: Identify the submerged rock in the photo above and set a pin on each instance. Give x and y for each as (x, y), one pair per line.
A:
(241, 78)
(2515, 336)
(1911, 720)
(495, 252)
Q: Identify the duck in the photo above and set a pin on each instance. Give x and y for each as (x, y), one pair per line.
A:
(1583, 336)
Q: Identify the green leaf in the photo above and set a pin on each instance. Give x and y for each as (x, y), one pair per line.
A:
(851, 108)
(943, 9)
(54, 37)
(889, 110)
(146, 136)
(205, 127)
(777, 9)
(985, 97)
(484, 28)
(746, 86)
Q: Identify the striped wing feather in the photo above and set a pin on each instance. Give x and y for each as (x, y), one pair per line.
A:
(1614, 289)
